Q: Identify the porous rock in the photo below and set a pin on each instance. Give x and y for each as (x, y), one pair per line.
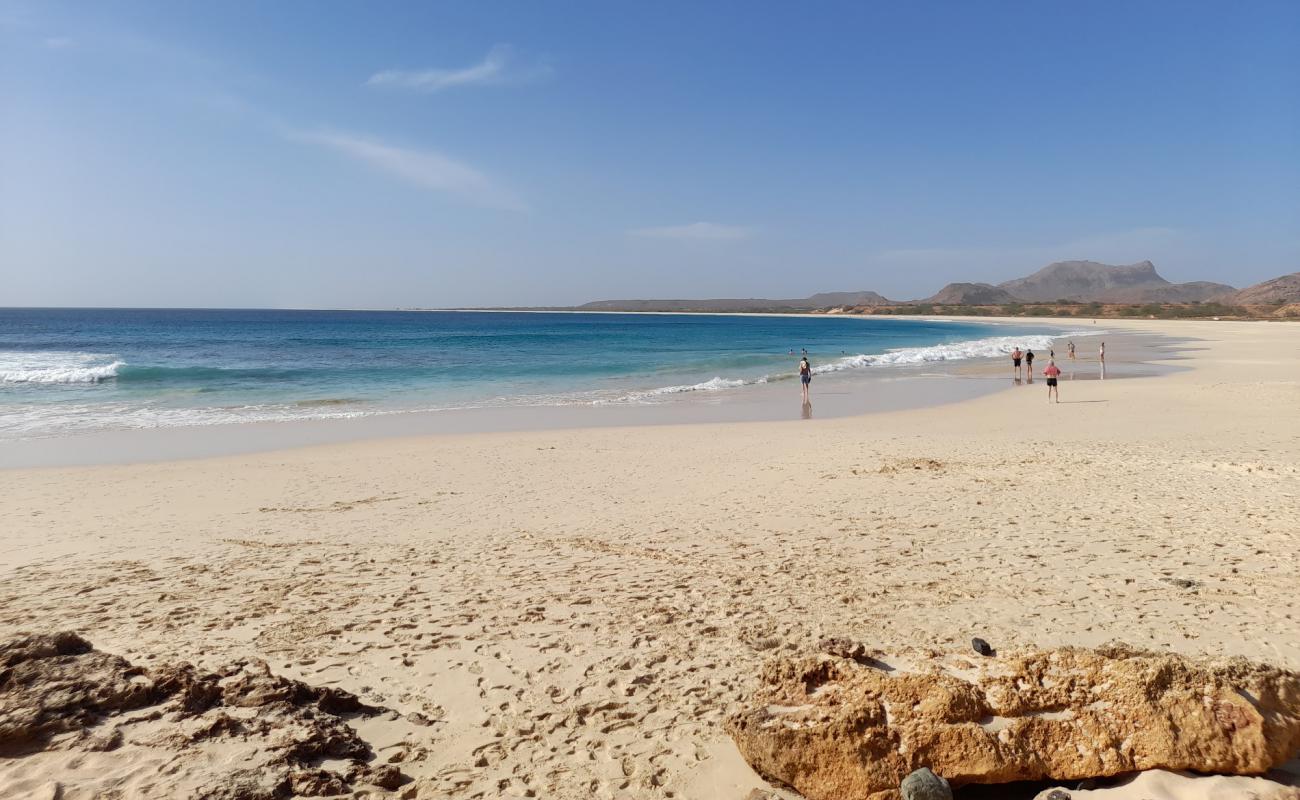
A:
(58, 693)
(833, 727)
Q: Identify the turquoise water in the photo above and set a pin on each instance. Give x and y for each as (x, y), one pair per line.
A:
(72, 370)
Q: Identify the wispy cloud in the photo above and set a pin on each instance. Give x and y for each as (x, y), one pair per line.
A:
(426, 168)
(695, 230)
(498, 68)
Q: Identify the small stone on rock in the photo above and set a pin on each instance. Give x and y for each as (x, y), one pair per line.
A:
(925, 785)
(980, 646)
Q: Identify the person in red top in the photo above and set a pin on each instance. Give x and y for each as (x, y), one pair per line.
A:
(1052, 372)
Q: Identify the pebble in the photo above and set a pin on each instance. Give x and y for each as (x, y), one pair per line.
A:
(980, 646)
(925, 785)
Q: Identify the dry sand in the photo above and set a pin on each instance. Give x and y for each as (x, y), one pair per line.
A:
(575, 611)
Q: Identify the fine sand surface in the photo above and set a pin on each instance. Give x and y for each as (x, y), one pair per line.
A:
(573, 612)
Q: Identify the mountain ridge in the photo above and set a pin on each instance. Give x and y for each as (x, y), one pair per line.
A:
(1092, 281)
(1074, 281)
(1282, 289)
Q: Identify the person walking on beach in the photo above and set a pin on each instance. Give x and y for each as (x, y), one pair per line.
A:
(1029, 366)
(1052, 372)
(805, 376)
(1070, 347)
(1101, 352)
(1016, 355)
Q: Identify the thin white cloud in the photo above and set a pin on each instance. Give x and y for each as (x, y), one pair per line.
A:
(425, 168)
(498, 68)
(695, 230)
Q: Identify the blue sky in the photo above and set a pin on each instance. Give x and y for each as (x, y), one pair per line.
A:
(329, 154)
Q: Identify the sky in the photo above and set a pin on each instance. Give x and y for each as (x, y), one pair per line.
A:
(372, 155)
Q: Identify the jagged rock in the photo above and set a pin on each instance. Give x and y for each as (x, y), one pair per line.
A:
(842, 647)
(980, 646)
(836, 728)
(385, 776)
(59, 693)
(56, 684)
(317, 783)
(925, 785)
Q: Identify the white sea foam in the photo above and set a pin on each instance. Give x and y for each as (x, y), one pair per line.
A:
(57, 367)
(953, 351)
(990, 347)
(711, 385)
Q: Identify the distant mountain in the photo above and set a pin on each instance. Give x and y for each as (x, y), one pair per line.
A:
(817, 301)
(1091, 281)
(1285, 289)
(1086, 281)
(971, 294)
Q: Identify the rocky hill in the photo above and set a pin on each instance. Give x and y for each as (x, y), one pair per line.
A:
(1285, 289)
(1089, 281)
(971, 294)
(1084, 281)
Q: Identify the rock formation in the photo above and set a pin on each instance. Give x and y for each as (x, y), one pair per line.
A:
(1284, 289)
(1088, 280)
(971, 294)
(57, 693)
(851, 726)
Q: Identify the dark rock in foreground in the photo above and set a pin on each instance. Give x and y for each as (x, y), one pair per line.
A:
(58, 693)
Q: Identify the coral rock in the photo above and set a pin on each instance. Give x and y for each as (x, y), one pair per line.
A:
(839, 728)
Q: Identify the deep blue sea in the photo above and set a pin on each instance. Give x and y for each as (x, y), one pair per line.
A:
(74, 370)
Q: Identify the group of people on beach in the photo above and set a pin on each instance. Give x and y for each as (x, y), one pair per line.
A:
(1051, 371)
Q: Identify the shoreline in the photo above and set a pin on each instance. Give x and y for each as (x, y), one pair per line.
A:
(845, 393)
(572, 612)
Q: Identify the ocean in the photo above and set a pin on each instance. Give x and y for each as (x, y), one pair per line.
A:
(65, 371)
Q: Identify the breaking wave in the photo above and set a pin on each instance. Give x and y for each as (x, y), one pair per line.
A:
(57, 367)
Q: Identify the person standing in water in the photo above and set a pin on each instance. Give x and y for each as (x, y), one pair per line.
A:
(805, 376)
(1101, 352)
(1016, 355)
(1070, 347)
(1052, 372)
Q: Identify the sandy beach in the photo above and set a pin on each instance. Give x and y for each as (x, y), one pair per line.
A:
(571, 613)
